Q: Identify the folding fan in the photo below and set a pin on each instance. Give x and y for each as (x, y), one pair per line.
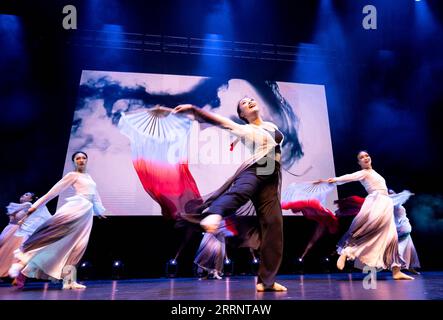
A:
(401, 198)
(159, 141)
(307, 191)
(309, 198)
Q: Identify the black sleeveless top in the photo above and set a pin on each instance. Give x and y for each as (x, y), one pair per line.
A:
(278, 137)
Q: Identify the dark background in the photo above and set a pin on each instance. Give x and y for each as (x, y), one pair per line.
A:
(383, 91)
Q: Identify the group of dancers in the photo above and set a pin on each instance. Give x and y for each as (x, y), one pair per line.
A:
(38, 245)
(55, 242)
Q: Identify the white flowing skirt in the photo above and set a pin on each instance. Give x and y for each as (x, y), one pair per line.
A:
(408, 254)
(372, 237)
(61, 241)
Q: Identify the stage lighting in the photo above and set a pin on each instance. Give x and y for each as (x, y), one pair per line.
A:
(255, 262)
(298, 266)
(171, 268)
(326, 265)
(228, 267)
(85, 270)
(117, 269)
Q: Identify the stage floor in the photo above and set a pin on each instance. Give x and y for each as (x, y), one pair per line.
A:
(334, 286)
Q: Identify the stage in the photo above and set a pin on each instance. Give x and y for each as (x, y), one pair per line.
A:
(130, 121)
(334, 286)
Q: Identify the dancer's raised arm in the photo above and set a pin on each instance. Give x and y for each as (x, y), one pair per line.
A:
(211, 118)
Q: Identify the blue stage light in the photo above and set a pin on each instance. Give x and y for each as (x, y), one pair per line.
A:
(228, 267)
(255, 262)
(85, 270)
(117, 269)
(298, 266)
(171, 268)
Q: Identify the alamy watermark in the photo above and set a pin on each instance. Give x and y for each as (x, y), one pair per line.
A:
(370, 281)
(70, 20)
(370, 20)
(212, 146)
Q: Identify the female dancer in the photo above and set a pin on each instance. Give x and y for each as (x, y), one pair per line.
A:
(372, 237)
(406, 249)
(257, 180)
(19, 229)
(62, 239)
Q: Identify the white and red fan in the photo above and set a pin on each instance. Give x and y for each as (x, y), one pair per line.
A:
(159, 144)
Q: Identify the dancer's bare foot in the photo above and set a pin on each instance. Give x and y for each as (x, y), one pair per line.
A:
(275, 287)
(14, 270)
(211, 223)
(341, 262)
(398, 275)
(73, 286)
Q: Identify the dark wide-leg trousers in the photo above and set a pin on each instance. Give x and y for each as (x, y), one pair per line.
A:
(263, 191)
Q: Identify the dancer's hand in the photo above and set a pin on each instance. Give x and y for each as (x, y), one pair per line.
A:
(331, 180)
(183, 108)
(31, 210)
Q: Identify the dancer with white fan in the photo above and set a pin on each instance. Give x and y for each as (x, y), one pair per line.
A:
(372, 237)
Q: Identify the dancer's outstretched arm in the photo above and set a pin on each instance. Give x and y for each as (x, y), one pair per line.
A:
(212, 118)
(58, 188)
(356, 176)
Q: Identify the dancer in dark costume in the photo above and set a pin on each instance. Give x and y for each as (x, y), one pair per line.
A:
(257, 181)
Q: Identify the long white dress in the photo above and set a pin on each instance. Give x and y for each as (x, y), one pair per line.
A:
(406, 248)
(62, 240)
(14, 234)
(372, 237)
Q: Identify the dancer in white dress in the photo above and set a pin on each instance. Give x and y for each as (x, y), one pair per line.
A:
(19, 229)
(372, 237)
(406, 249)
(62, 240)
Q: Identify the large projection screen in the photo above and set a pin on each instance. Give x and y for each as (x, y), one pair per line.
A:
(299, 110)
